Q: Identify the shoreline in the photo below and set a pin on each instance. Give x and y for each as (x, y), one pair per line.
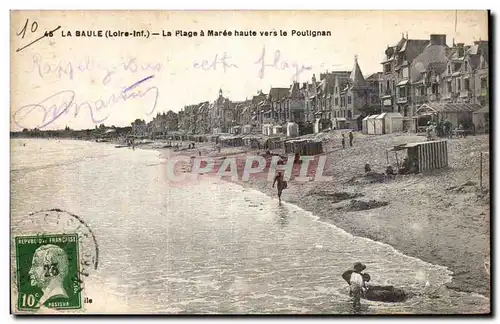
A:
(441, 217)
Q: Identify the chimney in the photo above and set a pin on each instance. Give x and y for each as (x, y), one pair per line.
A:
(460, 47)
(438, 39)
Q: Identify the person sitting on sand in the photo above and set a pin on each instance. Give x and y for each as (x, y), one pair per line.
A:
(367, 167)
(357, 284)
(282, 184)
(405, 166)
(389, 171)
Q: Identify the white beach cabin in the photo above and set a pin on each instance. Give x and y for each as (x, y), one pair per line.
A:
(292, 129)
(370, 124)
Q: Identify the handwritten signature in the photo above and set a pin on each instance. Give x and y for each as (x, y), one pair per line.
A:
(280, 64)
(59, 70)
(53, 107)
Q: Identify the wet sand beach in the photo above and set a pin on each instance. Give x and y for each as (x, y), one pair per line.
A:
(441, 217)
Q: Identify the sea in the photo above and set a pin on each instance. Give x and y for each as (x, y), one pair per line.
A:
(208, 247)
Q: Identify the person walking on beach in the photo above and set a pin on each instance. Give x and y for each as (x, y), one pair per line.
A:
(343, 141)
(357, 286)
(351, 137)
(281, 184)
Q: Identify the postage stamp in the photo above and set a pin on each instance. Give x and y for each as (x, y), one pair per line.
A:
(48, 272)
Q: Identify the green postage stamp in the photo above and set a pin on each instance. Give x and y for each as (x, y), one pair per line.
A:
(48, 273)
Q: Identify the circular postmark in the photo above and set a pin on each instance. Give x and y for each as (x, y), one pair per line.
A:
(52, 252)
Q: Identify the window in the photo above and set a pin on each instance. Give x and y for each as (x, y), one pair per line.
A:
(484, 84)
(456, 67)
(402, 92)
(336, 101)
(466, 66)
(449, 69)
(349, 114)
(450, 90)
(336, 89)
(483, 63)
(387, 68)
(466, 84)
(349, 100)
(393, 85)
(435, 88)
(387, 87)
(405, 72)
(459, 85)
(380, 87)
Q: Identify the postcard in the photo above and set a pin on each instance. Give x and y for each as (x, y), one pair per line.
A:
(250, 162)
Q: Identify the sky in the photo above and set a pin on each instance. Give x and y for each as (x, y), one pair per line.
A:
(81, 82)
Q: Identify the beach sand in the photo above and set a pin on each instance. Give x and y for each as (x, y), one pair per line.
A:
(441, 217)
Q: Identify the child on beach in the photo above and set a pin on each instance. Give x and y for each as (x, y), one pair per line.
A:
(357, 285)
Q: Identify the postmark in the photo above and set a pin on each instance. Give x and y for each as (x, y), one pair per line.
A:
(48, 268)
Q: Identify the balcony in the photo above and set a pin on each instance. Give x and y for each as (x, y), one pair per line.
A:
(402, 100)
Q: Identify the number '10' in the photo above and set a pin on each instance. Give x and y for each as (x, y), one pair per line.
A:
(28, 300)
(34, 27)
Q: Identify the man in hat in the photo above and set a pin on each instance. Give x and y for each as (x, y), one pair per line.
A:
(356, 282)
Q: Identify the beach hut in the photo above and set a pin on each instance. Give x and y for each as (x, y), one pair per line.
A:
(339, 123)
(379, 123)
(481, 118)
(303, 147)
(273, 143)
(365, 125)
(370, 124)
(393, 123)
(247, 129)
(277, 130)
(267, 129)
(424, 155)
(292, 129)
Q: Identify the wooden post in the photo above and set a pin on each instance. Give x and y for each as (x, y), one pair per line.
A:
(481, 170)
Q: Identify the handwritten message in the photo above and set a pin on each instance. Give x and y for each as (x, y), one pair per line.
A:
(47, 111)
(52, 69)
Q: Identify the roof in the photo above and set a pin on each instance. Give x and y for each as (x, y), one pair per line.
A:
(451, 107)
(294, 90)
(433, 56)
(374, 76)
(484, 110)
(278, 93)
(356, 76)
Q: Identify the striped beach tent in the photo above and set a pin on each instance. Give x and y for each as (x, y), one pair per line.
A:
(426, 155)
